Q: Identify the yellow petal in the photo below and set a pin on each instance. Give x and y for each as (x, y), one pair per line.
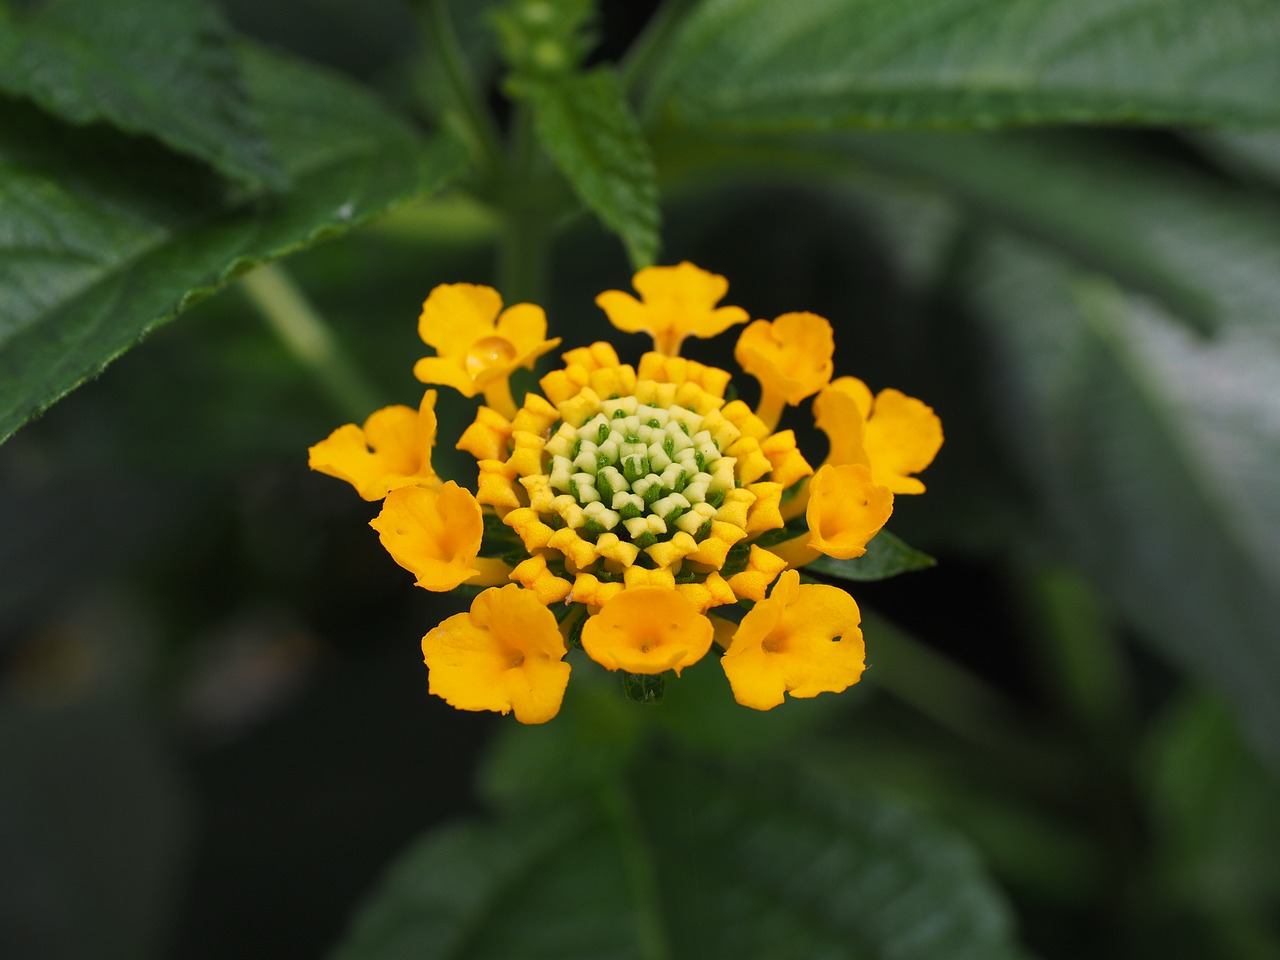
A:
(597, 356)
(647, 630)
(789, 465)
(476, 349)
(846, 509)
(804, 640)
(392, 450)
(903, 435)
(840, 411)
(486, 438)
(456, 315)
(791, 357)
(675, 302)
(669, 369)
(505, 654)
(893, 434)
(762, 567)
(545, 585)
(434, 534)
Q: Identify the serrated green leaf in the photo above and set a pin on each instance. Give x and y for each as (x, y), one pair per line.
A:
(586, 125)
(817, 64)
(691, 863)
(93, 257)
(886, 556)
(163, 68)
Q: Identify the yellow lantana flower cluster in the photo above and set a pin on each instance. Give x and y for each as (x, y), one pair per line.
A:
(638, 503)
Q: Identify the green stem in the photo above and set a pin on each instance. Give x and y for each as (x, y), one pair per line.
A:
(637, 861)
(443, 42)
(307, 336)
(522, 250)
(1084, 665)
(939, 688)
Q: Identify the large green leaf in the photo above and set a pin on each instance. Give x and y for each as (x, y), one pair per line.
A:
(587, 126)
(92, 256)
(1154, 452)
(813, 64)
(164, 68)
(1215, 809)
(690, 863)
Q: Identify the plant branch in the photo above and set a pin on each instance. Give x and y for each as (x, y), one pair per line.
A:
(308, 338)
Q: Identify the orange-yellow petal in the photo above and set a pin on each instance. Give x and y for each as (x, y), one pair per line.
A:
(675, 302)
(647, 630)
(804, 639)
(672, 369)
(753, 581)
(434, 534)
(846, 509)
(791, 357)
(505, 654)
(903, 435)
(596, 356)
(840, 411)
(392, 450)
(789, 465)
(455, 315)
(486, 438)
(534, 575)
(476, 347)
(893, 434)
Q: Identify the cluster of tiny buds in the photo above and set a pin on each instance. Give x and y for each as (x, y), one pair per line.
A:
(652, 470)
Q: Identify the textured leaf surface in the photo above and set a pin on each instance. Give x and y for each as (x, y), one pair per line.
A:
(810, 64)
(886, 556)
(163, 68)
(91, 258)
(746, 867)
(586, 125)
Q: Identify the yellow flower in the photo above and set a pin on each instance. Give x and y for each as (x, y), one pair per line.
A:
(647, 630)
(435, 535)
(791, 357)
(675, 302)
(893, 434)
(803, 640)
(505, 654)
(846, 509)
(477, 349)
(392, 450)
(636, 496)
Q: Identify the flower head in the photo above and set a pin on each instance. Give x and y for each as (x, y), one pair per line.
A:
(635, 499)
(675, 302)
(505, 654)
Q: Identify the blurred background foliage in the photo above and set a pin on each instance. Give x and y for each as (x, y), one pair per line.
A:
(1056, 223)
